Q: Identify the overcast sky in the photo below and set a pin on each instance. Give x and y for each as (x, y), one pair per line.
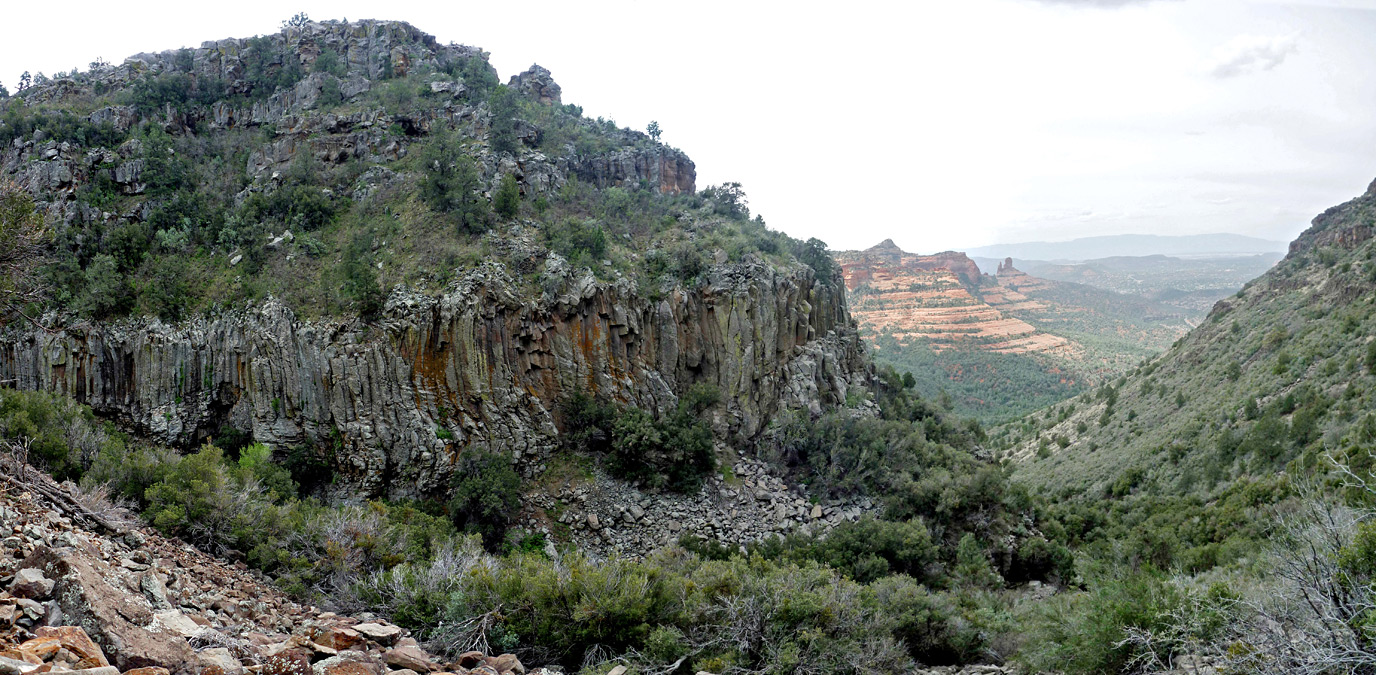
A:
(941, 124)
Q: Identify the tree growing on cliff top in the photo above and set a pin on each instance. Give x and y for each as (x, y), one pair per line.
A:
(502, 105)
(296, 21)
(728, 199)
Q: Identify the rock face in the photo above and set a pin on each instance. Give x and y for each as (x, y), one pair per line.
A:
(105, 612)
(670, 169)
(1341, 226)
(477, 364)
(481, 362)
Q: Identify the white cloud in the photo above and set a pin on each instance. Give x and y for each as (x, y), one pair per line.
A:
(1101, 4)
(1251, 53)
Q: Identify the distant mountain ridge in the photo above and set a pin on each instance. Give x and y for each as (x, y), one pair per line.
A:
(1133, 245)
(1190, 285)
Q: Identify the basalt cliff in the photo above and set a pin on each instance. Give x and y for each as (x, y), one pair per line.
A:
(479, 362)
(480, 353)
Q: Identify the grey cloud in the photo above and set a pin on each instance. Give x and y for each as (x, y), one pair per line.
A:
(1250, 54)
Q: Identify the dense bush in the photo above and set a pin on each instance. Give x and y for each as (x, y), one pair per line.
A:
(61, 126)
(1096, 631)
(582, 243)
(671, 452)
(299, 207)
(485, 495)
(866, 550)
(63, 436)
(502, 106)
(360, 277)
(154, 93)
(717, 615)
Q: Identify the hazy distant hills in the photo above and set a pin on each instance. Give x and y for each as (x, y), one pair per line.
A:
(1191, 285)
(1089, 248)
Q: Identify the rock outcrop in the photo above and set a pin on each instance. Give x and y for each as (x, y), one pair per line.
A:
(481, 362)
(538, 84)
(1345, 226)
(478, 364)
(669, 169)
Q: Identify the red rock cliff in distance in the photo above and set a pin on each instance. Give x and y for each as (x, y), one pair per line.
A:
(937, 299)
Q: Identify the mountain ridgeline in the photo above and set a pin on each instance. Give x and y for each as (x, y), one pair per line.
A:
(228, 221)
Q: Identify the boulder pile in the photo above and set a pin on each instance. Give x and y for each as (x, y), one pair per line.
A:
(607, 517)
(135, 603)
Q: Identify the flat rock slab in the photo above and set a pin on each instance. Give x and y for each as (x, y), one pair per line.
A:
(379, 633)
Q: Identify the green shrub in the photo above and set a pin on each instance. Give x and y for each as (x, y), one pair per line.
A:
(674, 452)
(64, 436)
(1085, 632)
(360, 277)
(107, 290)
(300, 207)
(1039, 559)
(194, 492)
(309, 468)
(927, 623)
(451, 183)
(582, 243)
(502, 134)
(255, 461)
(867, 549)
(328, 61)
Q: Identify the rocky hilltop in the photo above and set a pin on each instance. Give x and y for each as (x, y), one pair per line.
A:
(298, 120)
(304, 141)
